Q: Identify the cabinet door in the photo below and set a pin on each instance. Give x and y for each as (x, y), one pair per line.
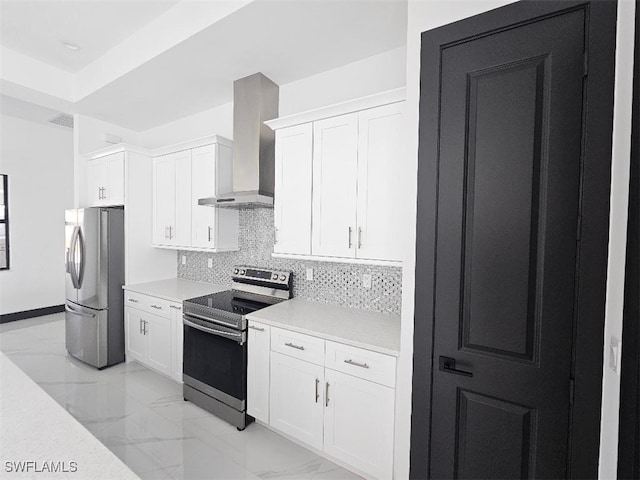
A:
(203, 184)
(158, 333)
(114, 189)
(382, 182)
(177, 335)
(97, 181)
(296, 397)
(258, 347)
(135, 339)
(358, 423)
(292, 203)
(180, 232)
(335, 162)
(164, 198)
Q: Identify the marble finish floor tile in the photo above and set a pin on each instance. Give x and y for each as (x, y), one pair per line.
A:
(142, 418)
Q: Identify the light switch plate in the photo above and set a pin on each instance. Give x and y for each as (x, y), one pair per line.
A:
(310, 274)
(210, 262)
(366, 280)
(614, 354)
(184, 259)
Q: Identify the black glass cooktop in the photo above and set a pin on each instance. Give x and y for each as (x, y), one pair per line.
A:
(228, 302)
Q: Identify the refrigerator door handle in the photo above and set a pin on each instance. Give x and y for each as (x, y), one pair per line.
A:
(76, 312)
(71, 258)
(80, 240)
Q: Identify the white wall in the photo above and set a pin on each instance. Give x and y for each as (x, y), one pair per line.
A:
(428, 14)
(218, 120)
(617, 235)
(375, 74)
(39, 161)
(385, 71)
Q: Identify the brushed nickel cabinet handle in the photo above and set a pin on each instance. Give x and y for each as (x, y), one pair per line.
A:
(156, 307)
(141, 326)
(145, 327)
(292, 345)
(133, 300)
(256, 328)
(209, 232)
(275, 236)
(356, 364)
(350, 231)
(359, 237)
(317, 393)
(326, 394)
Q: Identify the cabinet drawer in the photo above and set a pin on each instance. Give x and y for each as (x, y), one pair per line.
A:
(297, 345)
(372, 366)
(147, 303)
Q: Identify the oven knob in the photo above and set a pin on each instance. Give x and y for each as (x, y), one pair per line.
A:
(274, 276)
(235, 271)
(282, 277)
(241, 272)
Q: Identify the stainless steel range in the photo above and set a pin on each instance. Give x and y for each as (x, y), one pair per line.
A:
(215, 340)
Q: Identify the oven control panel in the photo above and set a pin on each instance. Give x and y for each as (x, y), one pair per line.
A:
(279, 277)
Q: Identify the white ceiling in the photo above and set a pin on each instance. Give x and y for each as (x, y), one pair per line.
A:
(39, 28)
(287, 40)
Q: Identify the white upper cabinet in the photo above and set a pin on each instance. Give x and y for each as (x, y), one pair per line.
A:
(335, 171)
(172, 199)
(179, 180)
(356, 184)
(106, 180)
(292, 204)
(381, 182)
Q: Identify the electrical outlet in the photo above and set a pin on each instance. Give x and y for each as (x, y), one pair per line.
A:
(210, 262)
(309, 274)
(184, 259)
(366, 280)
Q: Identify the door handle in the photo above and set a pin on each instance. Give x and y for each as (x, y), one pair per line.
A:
(350, 243)
(317, 393)
(448, 365)
(76, 312)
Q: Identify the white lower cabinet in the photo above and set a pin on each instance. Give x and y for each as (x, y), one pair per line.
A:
(258, 371)
(358, 423)
(333, 397)
(158, 332)
(136, 343)
(152, 336)
(177, 340)
(296, 399)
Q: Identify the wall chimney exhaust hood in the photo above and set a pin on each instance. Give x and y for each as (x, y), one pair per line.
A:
(255, 99)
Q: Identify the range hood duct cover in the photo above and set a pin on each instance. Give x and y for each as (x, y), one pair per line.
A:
(255, 100)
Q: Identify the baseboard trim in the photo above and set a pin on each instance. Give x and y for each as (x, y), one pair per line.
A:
(37, 312)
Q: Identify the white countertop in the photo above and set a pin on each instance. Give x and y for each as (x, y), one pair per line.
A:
(175, 289)
(374, 331)
(36, 429)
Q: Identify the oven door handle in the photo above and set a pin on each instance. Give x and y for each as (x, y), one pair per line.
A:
(213, 331)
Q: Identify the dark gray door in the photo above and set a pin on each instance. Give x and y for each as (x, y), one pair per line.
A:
(507, 218)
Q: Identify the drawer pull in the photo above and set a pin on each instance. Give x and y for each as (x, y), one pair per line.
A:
(177, 308)
(297, 347)
(256, 328)
(156, 307)
(133, 300)
(356, 364)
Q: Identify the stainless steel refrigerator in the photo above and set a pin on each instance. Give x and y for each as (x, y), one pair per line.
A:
(94, 307)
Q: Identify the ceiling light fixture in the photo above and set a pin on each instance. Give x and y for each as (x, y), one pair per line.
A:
(71, 46)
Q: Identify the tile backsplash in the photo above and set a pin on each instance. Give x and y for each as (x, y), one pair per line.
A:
(337, 283)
